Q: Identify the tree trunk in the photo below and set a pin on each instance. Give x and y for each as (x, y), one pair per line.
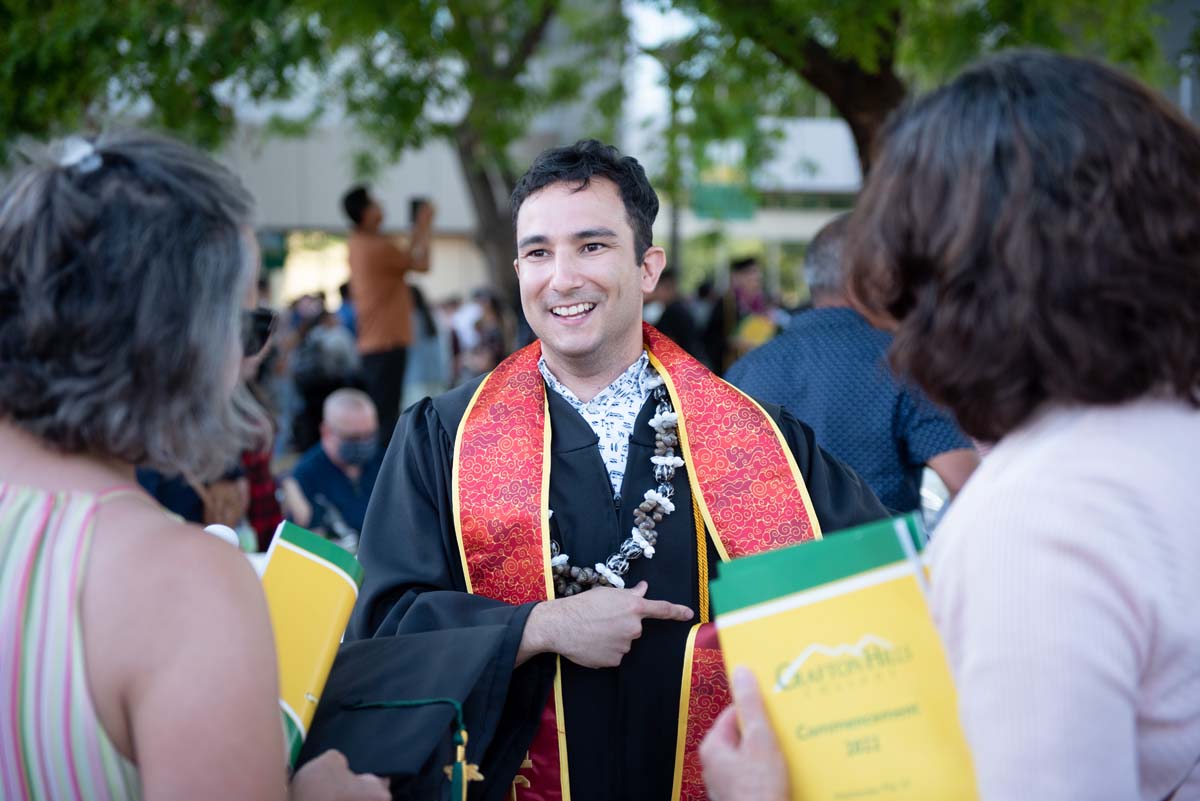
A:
(488, 185)
(864, 99)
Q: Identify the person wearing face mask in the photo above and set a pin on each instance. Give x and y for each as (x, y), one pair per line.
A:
(336, 476)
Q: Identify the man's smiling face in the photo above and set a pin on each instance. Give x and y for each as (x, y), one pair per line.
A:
(581, 280)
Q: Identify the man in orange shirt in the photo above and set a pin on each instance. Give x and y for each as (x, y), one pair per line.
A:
(382, 299)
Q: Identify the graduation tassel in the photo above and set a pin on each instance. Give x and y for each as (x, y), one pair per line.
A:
(458, 783)
(461, 772)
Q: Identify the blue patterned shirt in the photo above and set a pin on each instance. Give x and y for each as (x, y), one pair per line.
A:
(612, 413)
(829, 369)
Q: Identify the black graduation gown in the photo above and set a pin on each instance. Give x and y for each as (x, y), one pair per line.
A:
(621, 723)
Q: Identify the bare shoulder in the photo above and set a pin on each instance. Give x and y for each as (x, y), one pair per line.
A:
(149, 557)
(166, 605)
(151, 577)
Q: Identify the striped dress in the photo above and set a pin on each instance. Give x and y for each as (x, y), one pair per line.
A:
(52, 746)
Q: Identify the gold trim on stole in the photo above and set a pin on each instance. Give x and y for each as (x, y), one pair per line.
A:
(455, 478)
(685, 698)
(722, 551)
(693, 479)
(681, 427)
(456, 501)
(564, 775)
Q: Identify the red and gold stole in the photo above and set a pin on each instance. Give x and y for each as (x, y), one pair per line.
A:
(748, 495)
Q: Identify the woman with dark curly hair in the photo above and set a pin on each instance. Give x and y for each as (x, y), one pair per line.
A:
(136, 656)
(1032, 234)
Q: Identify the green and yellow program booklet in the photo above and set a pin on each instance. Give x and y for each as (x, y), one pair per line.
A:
(853, 673)
(311, 585)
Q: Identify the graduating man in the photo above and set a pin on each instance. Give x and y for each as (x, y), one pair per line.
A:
(581, 495)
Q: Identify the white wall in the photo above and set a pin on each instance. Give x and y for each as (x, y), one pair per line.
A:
(769, 225)
(299, 182)
(814, 155)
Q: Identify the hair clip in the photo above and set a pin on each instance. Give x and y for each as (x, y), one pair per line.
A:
(79, 153)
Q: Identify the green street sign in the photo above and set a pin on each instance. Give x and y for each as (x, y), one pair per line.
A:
(722, 202)
(274, 249)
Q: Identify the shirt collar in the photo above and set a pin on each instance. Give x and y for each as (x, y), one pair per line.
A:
(631, 382)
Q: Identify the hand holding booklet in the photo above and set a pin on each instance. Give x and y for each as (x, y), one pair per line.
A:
(394, 706)
(852, 670)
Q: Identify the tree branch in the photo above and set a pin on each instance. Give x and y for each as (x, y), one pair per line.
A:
(864, 99)
(494, 234)
(529, 42)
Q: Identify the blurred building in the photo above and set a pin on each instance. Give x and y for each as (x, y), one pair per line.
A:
(813, 176)
(298, 184)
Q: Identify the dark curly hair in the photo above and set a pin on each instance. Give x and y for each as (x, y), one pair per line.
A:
(1032, 232)
(578, 164)
(122, 266)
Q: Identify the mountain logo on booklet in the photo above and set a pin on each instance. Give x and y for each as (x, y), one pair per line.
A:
(819, 664)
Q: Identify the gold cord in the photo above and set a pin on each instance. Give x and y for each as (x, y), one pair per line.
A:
(701, 558)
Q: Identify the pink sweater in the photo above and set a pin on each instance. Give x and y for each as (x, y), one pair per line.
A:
(1066, 586)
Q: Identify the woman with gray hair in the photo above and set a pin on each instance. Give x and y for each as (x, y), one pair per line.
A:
(136, 654)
